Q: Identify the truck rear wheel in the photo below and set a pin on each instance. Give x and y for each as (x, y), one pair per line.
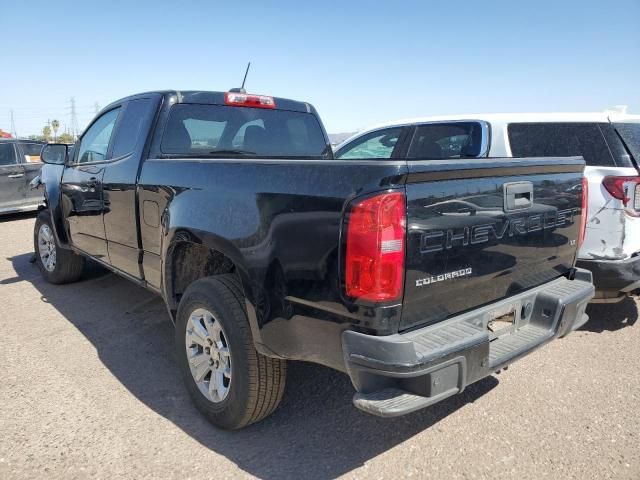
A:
(57, 265)
(229, 381)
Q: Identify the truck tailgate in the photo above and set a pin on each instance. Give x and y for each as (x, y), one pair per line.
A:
(480, 230)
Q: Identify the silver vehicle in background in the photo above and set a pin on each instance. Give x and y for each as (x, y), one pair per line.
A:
(19, 165)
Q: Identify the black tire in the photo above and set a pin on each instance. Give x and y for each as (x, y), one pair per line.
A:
(257, 382)
(68, 265)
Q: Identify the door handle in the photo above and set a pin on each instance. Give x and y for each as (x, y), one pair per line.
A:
(17, 175)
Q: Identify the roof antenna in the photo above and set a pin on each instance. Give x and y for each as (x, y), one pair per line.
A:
(241, 89)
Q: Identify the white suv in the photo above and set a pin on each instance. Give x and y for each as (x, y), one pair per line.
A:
(608, 141)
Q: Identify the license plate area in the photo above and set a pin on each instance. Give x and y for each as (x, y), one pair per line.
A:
(503, 321)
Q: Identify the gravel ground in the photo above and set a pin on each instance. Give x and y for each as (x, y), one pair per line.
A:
(89, 389)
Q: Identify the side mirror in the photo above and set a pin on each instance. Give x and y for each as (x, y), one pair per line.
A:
(54, 153)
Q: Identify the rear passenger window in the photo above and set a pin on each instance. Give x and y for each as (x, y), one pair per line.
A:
(7, 154)
(378, 144)
(560, 140)
(630, 133)
(130, 127)
(31, 152)
(447, 140)
(616, 146)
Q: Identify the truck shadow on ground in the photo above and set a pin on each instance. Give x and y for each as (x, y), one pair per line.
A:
(315, 434)
(611, 316)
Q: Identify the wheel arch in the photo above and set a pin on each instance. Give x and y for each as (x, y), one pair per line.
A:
(191, 255)
(51, 178)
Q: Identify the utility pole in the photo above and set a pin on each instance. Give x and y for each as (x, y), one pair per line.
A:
(13, 125)
(74, 117)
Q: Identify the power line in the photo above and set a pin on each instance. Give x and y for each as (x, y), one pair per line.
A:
(38, 107)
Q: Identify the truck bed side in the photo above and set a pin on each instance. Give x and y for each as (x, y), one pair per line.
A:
(279, 224)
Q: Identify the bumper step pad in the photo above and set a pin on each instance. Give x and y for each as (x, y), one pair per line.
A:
(399, 374)
(504, 349)
(390, 402)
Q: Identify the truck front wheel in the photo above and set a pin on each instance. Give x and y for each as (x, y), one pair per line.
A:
(56, 264)
(229, 381)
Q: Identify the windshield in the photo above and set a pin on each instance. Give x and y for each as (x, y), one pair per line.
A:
(630, 133)
(218, 130)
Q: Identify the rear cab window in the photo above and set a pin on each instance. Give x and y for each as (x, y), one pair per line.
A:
(208, 130)
(449, 140)
(592, 141)
(378, 144)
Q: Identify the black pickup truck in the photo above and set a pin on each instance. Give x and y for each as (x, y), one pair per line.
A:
(416, 278)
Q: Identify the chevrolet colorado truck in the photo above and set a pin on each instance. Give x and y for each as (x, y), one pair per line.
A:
(414, 277)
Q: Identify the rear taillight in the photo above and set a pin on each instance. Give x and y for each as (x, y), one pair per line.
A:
(248, 100)
(622, 188)
(584, 211)
(376, 229)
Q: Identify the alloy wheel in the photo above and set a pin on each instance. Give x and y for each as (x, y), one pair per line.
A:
(47, 248)
(208, 355)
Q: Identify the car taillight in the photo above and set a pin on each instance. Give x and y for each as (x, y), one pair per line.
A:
(248, 100)
(376, 231)
(621, 188)
(584, 211)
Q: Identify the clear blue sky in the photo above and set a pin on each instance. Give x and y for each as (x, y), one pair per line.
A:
(358, 62)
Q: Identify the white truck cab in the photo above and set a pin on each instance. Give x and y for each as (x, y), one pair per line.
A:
(609, 142)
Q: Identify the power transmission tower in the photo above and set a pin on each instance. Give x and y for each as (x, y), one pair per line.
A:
(13, 125)
(74, 117)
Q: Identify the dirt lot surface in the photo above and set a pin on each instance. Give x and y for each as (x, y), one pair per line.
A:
(89, 388)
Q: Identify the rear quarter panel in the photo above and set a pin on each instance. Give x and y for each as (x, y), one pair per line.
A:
(280, 224)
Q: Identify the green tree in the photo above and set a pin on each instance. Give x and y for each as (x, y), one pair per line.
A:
(46, 133)
(55, 125)
(65, 138)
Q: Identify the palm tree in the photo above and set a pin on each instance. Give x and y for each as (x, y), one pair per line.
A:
(55, 125)
(46, 133)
